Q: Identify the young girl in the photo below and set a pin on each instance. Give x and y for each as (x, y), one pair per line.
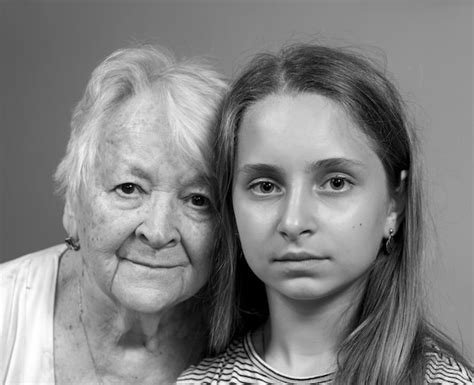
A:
(319, 274)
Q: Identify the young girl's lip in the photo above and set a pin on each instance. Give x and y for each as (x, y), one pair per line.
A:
(298, 256)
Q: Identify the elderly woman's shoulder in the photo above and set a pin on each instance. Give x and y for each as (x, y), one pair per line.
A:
(27, 292)
(38, 260)
(442, 367)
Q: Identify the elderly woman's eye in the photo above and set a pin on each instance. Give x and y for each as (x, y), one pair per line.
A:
(200, 201)
(127, 189)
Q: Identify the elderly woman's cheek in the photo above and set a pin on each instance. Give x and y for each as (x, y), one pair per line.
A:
(198, 241)
(103, 228)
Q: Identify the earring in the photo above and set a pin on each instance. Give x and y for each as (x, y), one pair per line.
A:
(72, 244)
(388, 242)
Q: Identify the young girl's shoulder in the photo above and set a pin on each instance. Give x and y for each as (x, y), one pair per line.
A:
(241, 364)
(221, 368)
(443, 368)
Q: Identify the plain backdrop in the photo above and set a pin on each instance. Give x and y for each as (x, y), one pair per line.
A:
(48, 50)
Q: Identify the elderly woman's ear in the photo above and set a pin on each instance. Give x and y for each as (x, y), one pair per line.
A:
(69, 220)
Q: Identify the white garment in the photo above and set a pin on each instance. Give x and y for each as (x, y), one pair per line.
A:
(27, 293)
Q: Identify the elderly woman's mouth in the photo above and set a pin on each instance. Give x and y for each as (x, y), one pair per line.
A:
(153, 264)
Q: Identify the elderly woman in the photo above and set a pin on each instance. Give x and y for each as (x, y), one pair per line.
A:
(118, 304)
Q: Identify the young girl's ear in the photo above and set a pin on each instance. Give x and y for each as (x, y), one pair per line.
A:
(397, 206)
(69, 219)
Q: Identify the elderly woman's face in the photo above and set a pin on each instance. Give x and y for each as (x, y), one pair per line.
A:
(145, 223)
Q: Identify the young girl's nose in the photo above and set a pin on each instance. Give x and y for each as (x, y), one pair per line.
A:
(298, 215)
(159, 225)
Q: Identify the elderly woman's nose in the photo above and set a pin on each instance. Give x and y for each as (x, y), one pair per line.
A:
(158, 227)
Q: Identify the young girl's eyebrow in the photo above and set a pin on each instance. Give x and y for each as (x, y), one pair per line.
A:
(261, 169)
(334, 163)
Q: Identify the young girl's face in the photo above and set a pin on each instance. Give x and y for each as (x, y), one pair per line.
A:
(310, 197)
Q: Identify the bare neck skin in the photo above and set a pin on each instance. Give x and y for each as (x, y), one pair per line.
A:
(118, 345)
(302, 337)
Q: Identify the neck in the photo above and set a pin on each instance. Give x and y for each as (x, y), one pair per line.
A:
(123, 345)
(302, 337)
(123, 330)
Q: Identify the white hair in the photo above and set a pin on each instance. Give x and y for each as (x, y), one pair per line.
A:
(192, 91)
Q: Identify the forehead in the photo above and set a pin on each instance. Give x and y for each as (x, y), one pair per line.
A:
(298, 122)
(139, 135)
(144, 112)
(138, 123)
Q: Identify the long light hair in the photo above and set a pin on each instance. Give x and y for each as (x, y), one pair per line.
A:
(387, 343)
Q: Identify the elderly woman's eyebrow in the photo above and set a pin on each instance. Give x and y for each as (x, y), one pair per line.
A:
(139, 172)
(198, 180)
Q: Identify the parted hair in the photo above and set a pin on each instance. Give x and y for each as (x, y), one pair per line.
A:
(190, 88)
(387, 344)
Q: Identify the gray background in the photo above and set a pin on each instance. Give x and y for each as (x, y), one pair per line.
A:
(49, 49)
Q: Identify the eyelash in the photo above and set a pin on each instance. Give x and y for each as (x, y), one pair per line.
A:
(254, 185)
(207, 202)
(136, 189)
(347, 184)
(120, 189)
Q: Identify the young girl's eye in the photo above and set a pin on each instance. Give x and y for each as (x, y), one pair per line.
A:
(337, 184)
(264, 188)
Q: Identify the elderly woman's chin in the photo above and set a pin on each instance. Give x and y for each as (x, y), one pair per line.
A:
(156, 296)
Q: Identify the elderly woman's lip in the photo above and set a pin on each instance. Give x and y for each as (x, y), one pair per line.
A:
(156, 265)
